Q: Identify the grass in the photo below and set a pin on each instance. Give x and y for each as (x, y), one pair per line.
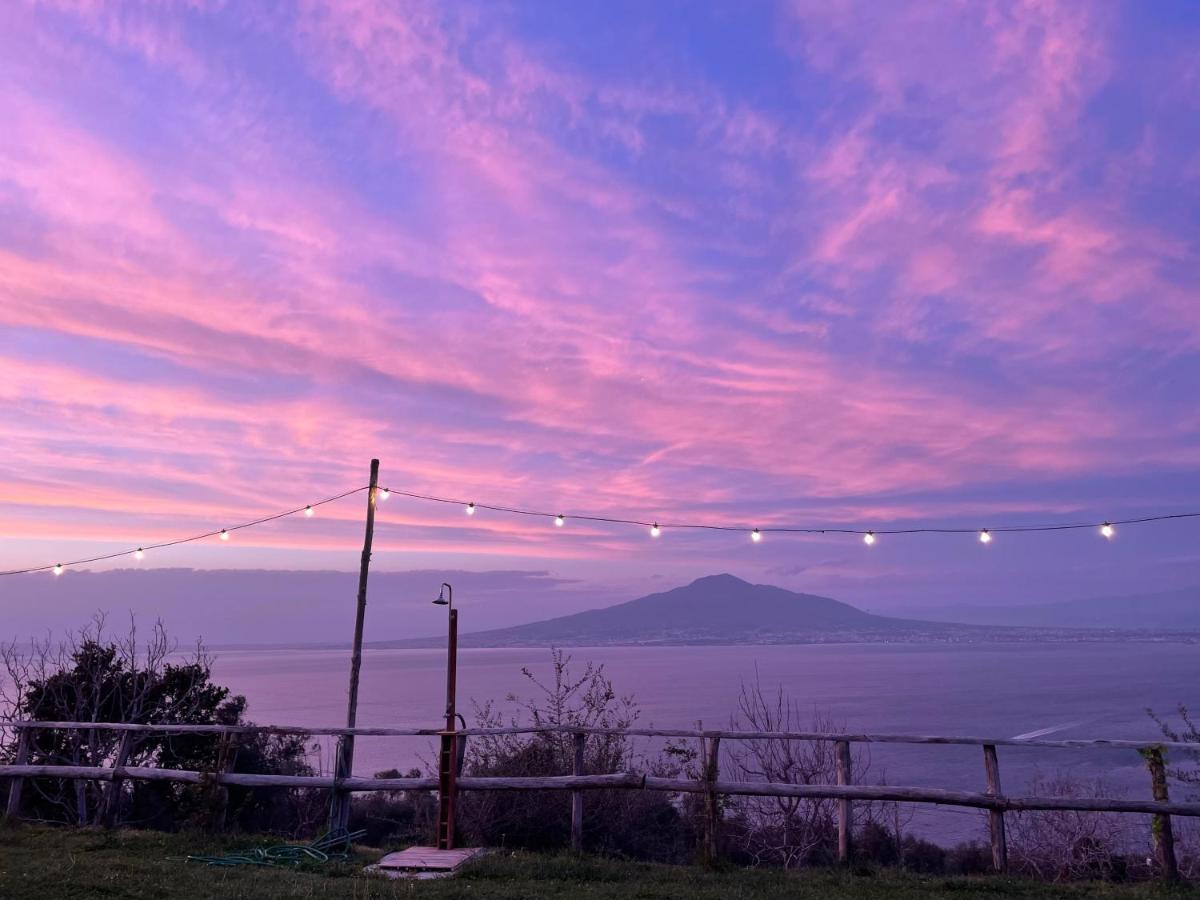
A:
(46, 864)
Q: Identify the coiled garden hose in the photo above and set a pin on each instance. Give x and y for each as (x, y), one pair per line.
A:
(330, 847)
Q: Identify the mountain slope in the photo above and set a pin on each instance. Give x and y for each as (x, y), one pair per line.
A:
(715, 609)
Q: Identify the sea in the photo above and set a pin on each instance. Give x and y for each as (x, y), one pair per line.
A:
(1081, 689)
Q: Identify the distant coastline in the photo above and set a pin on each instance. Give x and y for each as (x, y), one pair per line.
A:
(723, 610)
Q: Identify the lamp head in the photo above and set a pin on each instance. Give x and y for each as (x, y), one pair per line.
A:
(441, 597)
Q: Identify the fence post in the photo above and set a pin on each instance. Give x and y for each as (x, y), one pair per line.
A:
(995, 817)
(226, 761)
(15, 784)
(712, 808)
(578, 739)
(1164, 839)
(844, 807)
(112, 798)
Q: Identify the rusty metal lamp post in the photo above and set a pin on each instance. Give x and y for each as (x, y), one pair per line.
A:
(448, 757)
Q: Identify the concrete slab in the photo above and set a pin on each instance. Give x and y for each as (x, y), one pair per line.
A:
(425, 862)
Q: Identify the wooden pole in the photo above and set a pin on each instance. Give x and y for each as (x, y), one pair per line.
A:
(578, 740)
(845, 807)
(226, 761)
(1164, 838)
(712, 809)
(339, 814)
(999, 838)
(112, 798)
(13, 809)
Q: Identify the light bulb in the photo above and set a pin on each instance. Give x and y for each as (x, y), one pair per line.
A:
(58, 568)
(869, 538)
(470, 509)
(308, 511)
(655, 531)
(1107, 530)
(139, 553)
(985, 537)
(384, 493)
(756, 535)
(224, 535)
(559, 521)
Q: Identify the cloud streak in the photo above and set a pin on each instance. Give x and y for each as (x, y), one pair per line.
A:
(921, 261)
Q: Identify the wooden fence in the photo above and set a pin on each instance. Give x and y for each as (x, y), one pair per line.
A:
(710, 785)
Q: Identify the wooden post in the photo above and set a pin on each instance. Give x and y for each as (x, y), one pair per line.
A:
(996, 831)
(339, 813)
(712, 809)
(844, 807)
(1164, 839)
(15, 784)
(112, 797)
(578, 739)
(226, 761)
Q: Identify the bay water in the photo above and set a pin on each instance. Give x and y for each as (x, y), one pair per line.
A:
(1061, 690)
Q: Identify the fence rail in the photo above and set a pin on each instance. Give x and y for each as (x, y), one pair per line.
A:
(865, 738)
(709, 784)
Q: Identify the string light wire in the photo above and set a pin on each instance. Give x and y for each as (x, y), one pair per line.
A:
(791, 529)
(186, 540)
(1107, 526)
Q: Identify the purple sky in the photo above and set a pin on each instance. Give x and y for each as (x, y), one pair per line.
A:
(876, 264)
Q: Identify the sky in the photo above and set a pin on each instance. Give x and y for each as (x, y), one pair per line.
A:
(838, 264)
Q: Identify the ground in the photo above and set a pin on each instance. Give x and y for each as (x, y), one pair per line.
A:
(47, 864)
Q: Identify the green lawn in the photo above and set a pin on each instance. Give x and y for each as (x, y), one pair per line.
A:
(48, 864)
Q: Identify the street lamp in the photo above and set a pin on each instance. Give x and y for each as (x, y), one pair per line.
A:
(448, 758)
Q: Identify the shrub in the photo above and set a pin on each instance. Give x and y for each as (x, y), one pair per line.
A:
(639, 824)
(1062, 845)
(395, 817)
(89, 676)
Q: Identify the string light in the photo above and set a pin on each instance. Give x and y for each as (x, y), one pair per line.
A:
(1107, 528)
(223, 534)
(792, 529)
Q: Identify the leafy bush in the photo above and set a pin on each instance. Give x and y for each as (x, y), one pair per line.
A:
(395, 817)
(90, 677)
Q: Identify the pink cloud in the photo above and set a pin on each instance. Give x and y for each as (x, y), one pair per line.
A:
(537, 321)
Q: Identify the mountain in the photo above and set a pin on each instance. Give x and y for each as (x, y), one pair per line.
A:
(717, 609)
(1177, 610)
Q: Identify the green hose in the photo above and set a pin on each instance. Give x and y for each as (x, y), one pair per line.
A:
(332, 846)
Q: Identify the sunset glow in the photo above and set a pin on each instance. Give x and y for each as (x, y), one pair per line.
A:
(931, 264)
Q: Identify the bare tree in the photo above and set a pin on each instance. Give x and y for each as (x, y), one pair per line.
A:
(635, 823)
(788, 831)
(584, 700)
(1062, 845)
